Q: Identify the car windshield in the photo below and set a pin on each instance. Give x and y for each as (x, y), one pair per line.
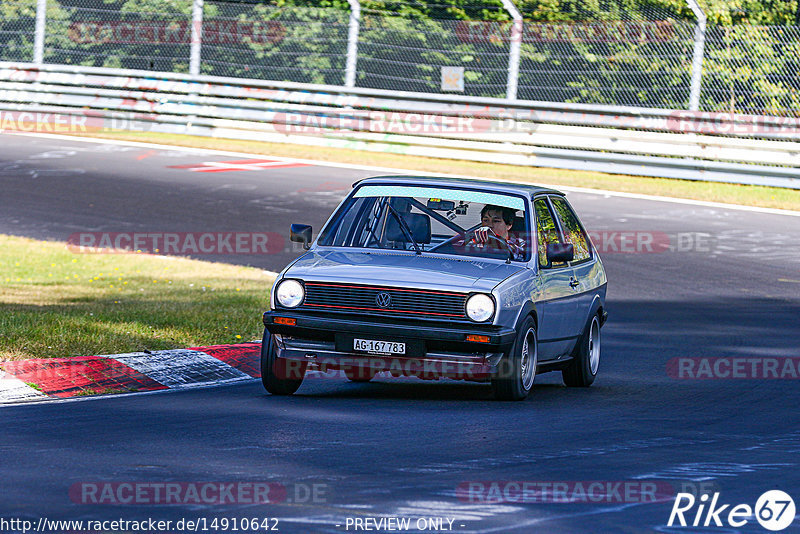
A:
(432, 220)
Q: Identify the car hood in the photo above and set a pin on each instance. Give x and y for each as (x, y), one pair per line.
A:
(402, 270)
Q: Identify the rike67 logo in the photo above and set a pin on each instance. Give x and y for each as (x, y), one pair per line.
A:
(774, 511)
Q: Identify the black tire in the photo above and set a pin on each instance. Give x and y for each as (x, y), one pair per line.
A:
(279, 376)
(582, 370)
(516, 372)
(359, 373)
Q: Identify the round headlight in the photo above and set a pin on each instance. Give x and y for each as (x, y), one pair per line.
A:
(480, 308)
(290, 293)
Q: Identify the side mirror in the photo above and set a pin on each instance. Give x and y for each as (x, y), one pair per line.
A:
(560, 252)
(301, 233)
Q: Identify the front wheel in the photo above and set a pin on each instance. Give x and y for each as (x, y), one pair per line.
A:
(514, 377)
(279, 376)
(582, 370)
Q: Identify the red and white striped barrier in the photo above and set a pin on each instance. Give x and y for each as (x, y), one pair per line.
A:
(39, 379)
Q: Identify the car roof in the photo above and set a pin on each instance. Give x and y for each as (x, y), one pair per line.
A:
(488, 185)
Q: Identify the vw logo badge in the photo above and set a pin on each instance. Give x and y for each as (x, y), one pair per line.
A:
(383, 300)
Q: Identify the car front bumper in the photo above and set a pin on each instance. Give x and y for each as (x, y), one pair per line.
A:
(434, 351)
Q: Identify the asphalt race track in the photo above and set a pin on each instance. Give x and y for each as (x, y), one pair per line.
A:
(727, 285)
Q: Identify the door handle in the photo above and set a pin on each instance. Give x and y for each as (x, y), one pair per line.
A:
(573, 282)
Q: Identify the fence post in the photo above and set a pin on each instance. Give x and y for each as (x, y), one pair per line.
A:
(697, 56)
(352, 43)
(38, 38)
(514, 48)
(197, 37)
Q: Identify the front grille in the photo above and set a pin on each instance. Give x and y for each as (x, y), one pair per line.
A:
(365, 299)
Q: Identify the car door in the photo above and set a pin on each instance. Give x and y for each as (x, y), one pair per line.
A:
(557, 305)
(584, 263)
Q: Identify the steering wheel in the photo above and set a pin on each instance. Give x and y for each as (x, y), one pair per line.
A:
(448, 242)
(491, 235)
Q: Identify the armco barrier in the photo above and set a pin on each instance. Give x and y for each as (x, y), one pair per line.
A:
(636, 141)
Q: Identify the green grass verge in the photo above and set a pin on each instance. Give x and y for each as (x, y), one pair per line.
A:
(767, 197)
(56, 303)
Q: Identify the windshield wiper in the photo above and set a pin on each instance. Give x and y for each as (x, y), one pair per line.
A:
(404, 227)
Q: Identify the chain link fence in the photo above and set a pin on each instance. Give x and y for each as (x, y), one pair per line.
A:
(611, 56)
(101, 34)
(17, 28)
(404, 46)
(752, 69)
(617, 52)
(255, 40)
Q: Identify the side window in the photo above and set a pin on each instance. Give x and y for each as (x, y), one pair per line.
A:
(573, 233)
(342, 231)
(547, 232)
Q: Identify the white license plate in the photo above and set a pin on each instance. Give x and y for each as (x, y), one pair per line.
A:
(378, 347)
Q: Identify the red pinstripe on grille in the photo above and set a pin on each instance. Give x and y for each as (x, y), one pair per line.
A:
(377, 288)
(381, 310)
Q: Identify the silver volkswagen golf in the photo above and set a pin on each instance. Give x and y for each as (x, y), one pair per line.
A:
(440, 277)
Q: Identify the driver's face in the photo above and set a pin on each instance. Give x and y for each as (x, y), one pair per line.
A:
(494, 220)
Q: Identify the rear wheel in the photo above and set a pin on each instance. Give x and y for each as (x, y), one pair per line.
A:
(585, 363)
(514, 377)
(279, 376)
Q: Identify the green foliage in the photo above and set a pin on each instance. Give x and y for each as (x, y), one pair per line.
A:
(753, 69)
(17, 20)
(153, 8)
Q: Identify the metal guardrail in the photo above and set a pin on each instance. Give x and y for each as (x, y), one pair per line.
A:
(637, 141)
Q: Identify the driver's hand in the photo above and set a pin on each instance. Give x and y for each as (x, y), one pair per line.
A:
(482, 235)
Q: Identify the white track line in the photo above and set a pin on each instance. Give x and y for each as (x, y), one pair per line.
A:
(720, 205)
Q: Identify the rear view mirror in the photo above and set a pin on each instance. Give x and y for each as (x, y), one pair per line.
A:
(301, 233)
(560, 252)
(441, 205)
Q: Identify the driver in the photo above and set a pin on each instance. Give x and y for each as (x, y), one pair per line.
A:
(498, 220)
